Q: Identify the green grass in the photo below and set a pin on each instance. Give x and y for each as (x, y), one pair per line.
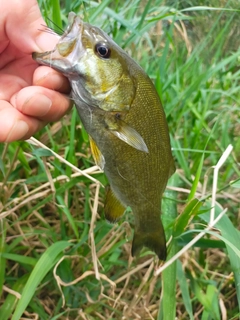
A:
(60, 254)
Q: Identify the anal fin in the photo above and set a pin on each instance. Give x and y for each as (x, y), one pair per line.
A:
(113, 208)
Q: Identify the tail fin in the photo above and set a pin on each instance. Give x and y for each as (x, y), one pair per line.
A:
(155, 241)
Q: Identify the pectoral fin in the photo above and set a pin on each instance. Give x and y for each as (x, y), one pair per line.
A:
(97, 155)
(131, 137)
(126, 133)
(113, 207)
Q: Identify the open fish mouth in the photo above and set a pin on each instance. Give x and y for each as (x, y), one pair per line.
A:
(68, 50)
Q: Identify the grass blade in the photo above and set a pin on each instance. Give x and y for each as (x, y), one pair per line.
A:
(184, 290)
(11, 300)
(232, 235)
(56, 13)
(2, 250)
(66, 211)
(45, 263)
(167, 309)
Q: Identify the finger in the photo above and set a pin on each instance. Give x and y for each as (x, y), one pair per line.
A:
(51, 79)
(23, 20)
(42, 103)
(16, 126)
(9, 85)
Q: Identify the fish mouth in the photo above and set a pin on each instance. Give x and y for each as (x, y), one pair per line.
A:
(68, 50)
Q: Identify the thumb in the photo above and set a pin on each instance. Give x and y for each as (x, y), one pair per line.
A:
(24, 27)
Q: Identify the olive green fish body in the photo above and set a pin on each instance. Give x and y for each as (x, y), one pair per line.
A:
(127, 168)
(120, 109)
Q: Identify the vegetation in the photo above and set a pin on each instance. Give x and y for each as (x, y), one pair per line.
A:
(59, 258)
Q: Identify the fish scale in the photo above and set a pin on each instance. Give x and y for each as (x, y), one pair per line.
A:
(122, 113)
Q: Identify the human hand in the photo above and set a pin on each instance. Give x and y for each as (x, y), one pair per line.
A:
(30, 95)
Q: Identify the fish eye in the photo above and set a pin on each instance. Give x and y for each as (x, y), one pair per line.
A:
(102, 50)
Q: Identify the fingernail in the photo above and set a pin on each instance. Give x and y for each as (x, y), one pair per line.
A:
(18, 131)
(37, 106)
(45, 104)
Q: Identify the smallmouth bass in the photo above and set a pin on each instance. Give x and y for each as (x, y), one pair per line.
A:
(122, 113)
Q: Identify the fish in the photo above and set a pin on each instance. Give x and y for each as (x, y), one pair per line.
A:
(121, 111)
